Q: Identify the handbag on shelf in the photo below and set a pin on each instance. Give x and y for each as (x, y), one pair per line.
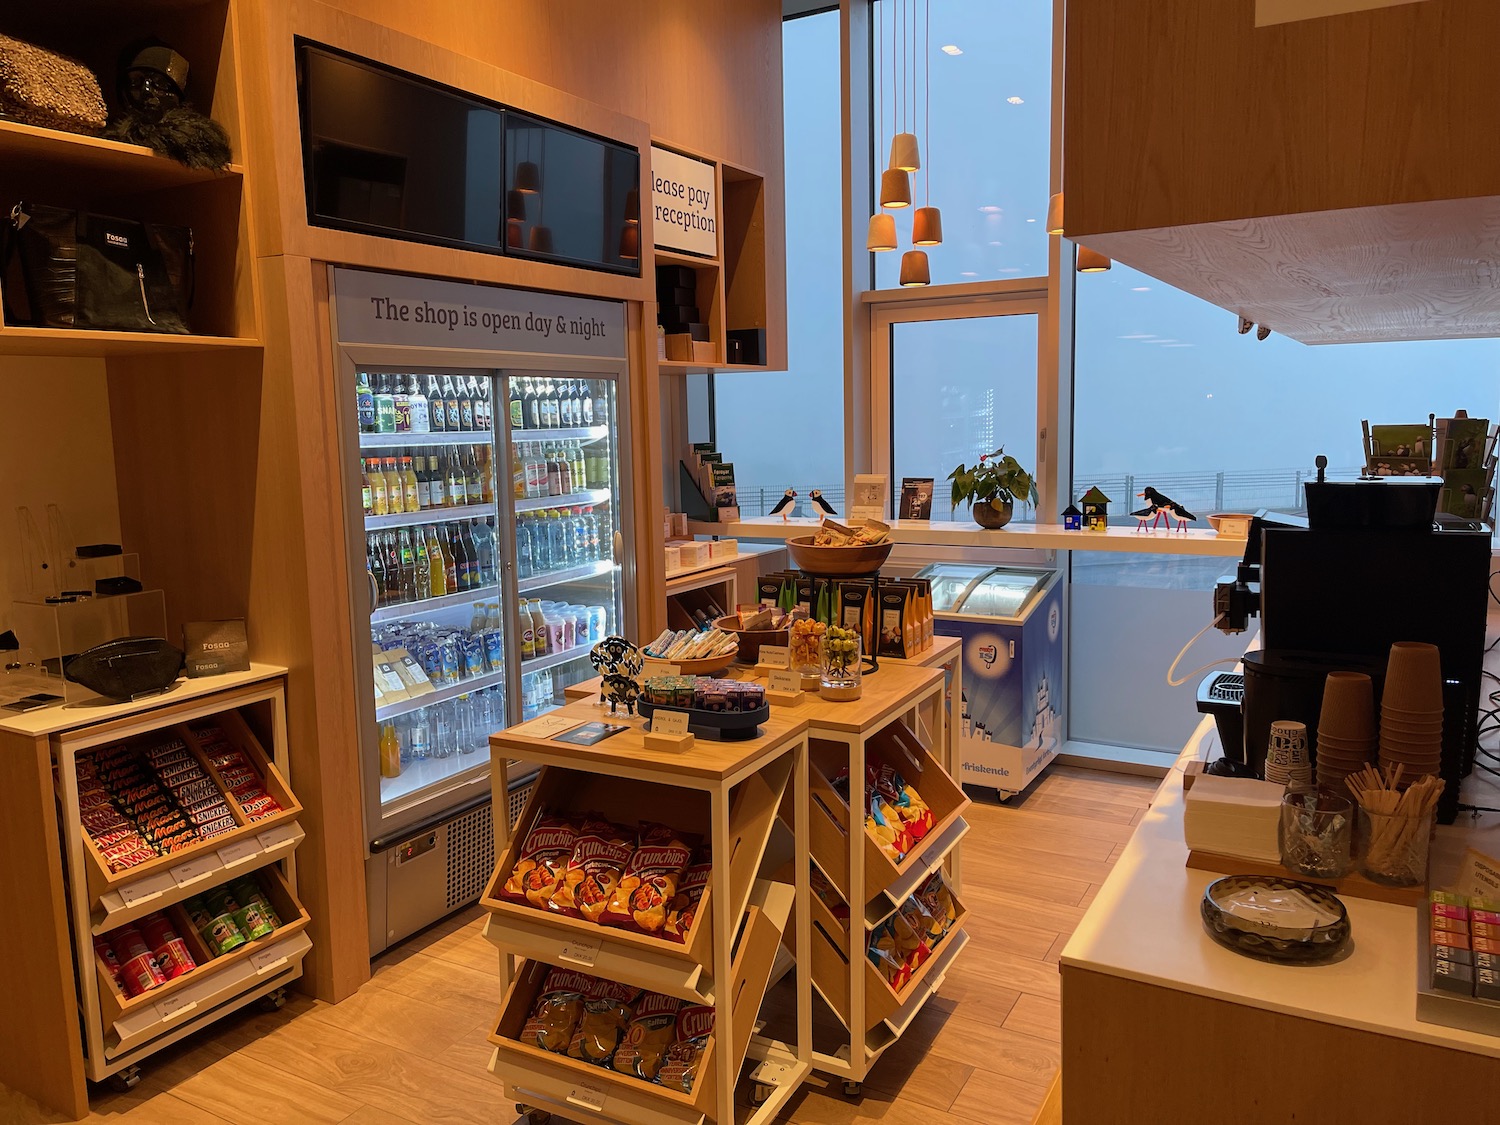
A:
(39, 87)
(88, 271)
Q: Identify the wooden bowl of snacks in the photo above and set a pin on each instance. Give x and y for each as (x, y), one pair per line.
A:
(853, 561)
(751, 639)
(706, 666)
(694, 653)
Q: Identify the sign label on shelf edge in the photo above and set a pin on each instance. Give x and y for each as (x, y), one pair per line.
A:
(170, 1006)
(232, 855)
(582, 951)
(266, 960)
(775, 656)
(784, 679)
(590, 1097)
(132, 893)
(668, 722)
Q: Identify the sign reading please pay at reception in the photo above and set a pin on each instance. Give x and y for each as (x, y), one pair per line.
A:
(684, 204)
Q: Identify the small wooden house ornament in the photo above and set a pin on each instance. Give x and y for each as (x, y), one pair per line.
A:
(1095, 509)
(1072, 518)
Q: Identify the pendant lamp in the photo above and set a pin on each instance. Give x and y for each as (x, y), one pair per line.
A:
(630, 242)
(914, 268)
(904, 153)
(882, 234)
(541, 240)
(927, 227)
(1054, 214)
(895, 188)
(1091, 261)
(633, 206)
(515, 206)
(528, 177)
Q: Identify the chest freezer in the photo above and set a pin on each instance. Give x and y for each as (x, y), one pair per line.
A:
(1009, 620)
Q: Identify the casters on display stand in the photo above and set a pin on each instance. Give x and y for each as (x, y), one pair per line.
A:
(272, 1001)
(852, 1089)
(534, 1116)
(122, 1080)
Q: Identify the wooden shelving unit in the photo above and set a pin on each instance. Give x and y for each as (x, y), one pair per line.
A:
(735, 795)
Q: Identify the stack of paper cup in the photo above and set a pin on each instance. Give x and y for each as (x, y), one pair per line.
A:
(1346, 729)
(1411, 711)
(1287, 759)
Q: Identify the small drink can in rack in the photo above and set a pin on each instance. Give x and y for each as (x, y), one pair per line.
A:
(171, 952)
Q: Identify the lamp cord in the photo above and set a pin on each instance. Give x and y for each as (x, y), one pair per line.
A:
(927, 126)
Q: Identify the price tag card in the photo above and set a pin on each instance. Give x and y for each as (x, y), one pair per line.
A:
(232, 855)
(275, 837)
(669, 722)
(582, 951)
(266, 960)
(775, 656)
(784, 679)
(132, 893)
(589, 1097)
(651, 667)
(193, 870)
(174, 1006)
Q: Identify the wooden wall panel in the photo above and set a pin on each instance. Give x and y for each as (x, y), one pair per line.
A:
(1180, 112)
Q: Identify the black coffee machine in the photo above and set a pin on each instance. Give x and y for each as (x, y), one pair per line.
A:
(1367, 567)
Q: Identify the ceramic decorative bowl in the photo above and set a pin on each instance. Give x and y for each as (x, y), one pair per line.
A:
(1273, 919)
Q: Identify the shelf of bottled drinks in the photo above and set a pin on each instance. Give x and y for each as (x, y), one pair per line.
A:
(430, 503)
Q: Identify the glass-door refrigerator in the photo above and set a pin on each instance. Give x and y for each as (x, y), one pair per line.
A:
(491, 528)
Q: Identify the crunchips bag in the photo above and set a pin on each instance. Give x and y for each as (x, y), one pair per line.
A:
(546, 850)
(885, 824)
(601, 1024)
(905, 800)
(690, 890)
(559, 1005)
(650, 880)
(937, 898)
(650, 1033)
(679, 1068)
(599, 857)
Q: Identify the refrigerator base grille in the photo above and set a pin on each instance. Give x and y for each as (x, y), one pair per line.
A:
(471, 856)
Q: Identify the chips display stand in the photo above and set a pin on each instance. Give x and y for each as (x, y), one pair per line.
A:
(89, 899)
(901, 720)
(748, 801)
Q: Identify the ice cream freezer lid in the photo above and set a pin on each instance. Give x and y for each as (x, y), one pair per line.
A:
(1004, 592)
(951, 582)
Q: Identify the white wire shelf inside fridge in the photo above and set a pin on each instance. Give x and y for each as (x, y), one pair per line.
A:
(430, 515)
(402, 441)
(554, 659)
(579, 433)
(439, 695)
(573, 500)
(558, 577)
(406, 610)
(428, 772)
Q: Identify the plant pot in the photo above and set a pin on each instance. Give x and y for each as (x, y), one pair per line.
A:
(994, 514)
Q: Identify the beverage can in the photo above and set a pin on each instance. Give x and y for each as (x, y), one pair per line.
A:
(252, 921)
(248, 892)
(107, 957)
(220, 900)
(141, 974)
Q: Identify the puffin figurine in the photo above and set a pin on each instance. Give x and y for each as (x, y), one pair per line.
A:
(1159, 507)
(785, 504)
(816, 496)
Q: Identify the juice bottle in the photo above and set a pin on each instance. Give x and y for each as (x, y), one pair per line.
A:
(453, 479)
(380, 503)
(390, 751)
(473, 490)
(528, 633)
(580, 469)
(421, 566)
(538, 628)
(517, 472)
(395, 499)
(366, 499)
(410, 489)
(487, 474)
(437, 564)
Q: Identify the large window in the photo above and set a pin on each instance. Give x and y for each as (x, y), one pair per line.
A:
(786, 430)
(985, 152)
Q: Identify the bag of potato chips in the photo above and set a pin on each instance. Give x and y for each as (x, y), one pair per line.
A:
(650, 880)
(690, 889)
(649, 1035)
(560, 1003)
(679, 1068)
(599, 857)
(937, 897)
(601, 1024)
(543, 856)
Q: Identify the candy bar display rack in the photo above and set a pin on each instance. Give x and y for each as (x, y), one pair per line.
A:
(748, 801)
(84, 899)
(901, 720)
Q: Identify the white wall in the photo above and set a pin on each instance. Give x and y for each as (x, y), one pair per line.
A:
(55, 448)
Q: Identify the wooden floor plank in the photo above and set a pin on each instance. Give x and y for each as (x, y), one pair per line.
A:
(1037, 1016)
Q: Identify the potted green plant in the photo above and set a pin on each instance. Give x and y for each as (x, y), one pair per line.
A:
(992, 487)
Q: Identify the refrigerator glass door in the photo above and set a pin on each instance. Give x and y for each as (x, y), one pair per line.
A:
(1006, 593)
(951, 582)
(565, 502)
(432, 589)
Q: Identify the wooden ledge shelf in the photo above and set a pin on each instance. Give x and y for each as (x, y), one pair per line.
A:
(100, 345)
(684, 367)
(133, 166)
(673, 258)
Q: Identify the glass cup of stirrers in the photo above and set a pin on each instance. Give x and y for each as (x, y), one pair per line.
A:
(1396, 824)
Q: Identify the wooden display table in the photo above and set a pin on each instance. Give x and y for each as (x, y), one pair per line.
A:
(1160, 1023)
(61, 893)
(729, 793)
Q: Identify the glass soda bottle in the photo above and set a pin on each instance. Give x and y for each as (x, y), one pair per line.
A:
(364, 402)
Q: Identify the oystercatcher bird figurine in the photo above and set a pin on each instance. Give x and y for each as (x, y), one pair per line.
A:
(1159, 507)
(783, 506)
(816, 496)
